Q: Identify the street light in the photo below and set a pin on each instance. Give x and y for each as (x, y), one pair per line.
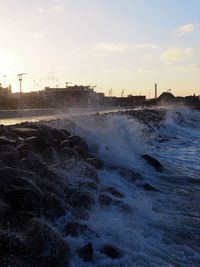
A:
(20, 75)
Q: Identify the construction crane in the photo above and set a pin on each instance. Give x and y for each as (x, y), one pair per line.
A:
(110, 92)
(122, 93)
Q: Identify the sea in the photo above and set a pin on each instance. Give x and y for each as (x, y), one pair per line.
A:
(159, 227)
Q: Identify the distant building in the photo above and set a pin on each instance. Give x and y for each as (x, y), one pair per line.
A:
(166, 98)
(5, 91)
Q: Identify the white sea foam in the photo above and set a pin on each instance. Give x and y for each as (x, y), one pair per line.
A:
(159, 228)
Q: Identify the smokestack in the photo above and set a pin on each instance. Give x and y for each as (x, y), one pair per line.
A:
(156, 89)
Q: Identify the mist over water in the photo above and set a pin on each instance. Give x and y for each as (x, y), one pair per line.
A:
(152, 228)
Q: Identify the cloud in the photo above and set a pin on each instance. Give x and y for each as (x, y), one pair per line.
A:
(122, 47)
(36, 35)
(185, 29)
(176, 54)
(57, 8)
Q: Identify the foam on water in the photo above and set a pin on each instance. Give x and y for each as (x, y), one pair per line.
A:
(151, 228)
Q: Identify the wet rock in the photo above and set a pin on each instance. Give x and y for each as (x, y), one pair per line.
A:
(17, 220)
(7, 175)
(127, 174)
(111, 251)
(10, 159)
(53, 206)
(11, 243)
(50, 186)
(78, 141)
(3, 208)
(86, 252)
(23, 199)
(81, 152)
(38, 143)
(68, 153)
(50, 156)
(149, 187)
(76, 229)
(114, 192)
(66, 143)
(8, 148)
(81, 214)
(96, 163)
(2, 164)
(59, 135)
(6, 141)
(105, 200)
(46, 245)
(25, 132)
(66, 132)
(81, 199)
(153, 162)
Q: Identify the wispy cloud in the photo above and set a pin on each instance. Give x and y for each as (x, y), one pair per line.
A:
(122, 47)
(176, 54)
(57, 8)
(184, 29)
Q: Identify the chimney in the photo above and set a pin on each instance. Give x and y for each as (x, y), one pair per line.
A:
(156, 89)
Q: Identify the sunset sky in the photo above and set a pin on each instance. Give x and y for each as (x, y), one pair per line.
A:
(118, 44)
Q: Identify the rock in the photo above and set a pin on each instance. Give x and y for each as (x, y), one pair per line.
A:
(7, 175)
(59, 135)
(111, 251)
(11, 243)
(6, 141)
(149, 187)
(153, 162)
(50, 156)
(78, 141)
(8, 148)
(86, 252)
(76, 229)
(25, 132)
(46, 245)
(96, 163)
(2, 164)
(10, 159)
(3, 208)
(53, 206)
(38, 143)
(105, 200)
(23, 199)
(81, 199)
(17, 220)
(66, 143)
(114, 192)
(66, 132)
(81, 152)
(68, 153)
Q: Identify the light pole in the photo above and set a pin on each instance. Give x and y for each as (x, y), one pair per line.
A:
(20, 86)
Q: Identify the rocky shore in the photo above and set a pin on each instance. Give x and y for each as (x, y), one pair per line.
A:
(49, 175)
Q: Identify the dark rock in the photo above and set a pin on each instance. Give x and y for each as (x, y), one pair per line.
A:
(7, 175)
(46, 245)
(114, 192)
(8, 148)
(153, 162)
(10, 159)
(111, 251)
(59, 135)
(17, 220)
(68, 153)
(81, 152)
(11, 243)
(37, 142)
(53, 206)
(23, 199)
(149, 187)
(66, 143)
(3, 208)
(6, 141)
(81, 199)
(50, 186)
(50, 156)
(105, 200)
(78, 141)
(81, 214)
(25, 132)
(2, 164)
(76, 229)
(66, 132)
(86, 252)
(96, 163)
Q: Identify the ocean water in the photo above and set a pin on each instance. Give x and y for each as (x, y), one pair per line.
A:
(151, 228)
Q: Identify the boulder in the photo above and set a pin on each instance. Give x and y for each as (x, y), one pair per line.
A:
(148, 187)
(96, 163)
(78, 141)
(51, 156)
(86, 252)
(68, 153)
(25, 132)
(153, 162)
(114, 192)
(105, 200)
(59, 135)
(81, 199)
(111, 251)
(53, 206)
(76, 229)
(10, 159)
(6, 141)
(45, 244)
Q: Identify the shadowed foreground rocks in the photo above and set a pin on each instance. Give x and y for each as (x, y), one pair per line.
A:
(48, 174)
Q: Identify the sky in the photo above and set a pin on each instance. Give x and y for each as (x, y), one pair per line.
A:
(112, 44)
